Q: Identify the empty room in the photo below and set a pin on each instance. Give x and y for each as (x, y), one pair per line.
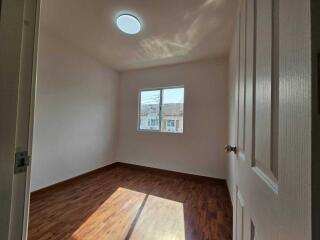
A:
(159, 120)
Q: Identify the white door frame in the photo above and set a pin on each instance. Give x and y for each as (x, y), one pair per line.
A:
(18, 45)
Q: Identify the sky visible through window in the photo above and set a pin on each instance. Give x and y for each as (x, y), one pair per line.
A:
(174, 95)
(150, 97)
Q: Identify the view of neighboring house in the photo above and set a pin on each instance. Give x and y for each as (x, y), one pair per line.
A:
(172, 117)
(149, 117)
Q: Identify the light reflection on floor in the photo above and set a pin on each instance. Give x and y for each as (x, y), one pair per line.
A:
(161, 219)
(129, 214)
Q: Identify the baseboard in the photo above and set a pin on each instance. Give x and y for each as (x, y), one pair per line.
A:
(170, 172)
(62, 184)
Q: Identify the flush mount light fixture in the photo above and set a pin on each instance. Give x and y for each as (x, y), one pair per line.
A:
(128, 23)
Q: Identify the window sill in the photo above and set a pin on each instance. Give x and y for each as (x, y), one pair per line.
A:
(155, 131)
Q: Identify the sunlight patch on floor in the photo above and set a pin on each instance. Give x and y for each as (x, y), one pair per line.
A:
(113, 218)
(161, 219)
(129, 214)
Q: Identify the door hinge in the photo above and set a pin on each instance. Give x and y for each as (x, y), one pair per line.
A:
(22, 161)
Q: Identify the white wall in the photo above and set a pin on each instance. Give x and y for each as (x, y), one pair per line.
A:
(75, 113)
(200, 149)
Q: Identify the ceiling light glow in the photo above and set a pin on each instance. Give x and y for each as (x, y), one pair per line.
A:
(129, 24)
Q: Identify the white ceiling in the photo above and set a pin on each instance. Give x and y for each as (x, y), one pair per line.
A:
(174, 31)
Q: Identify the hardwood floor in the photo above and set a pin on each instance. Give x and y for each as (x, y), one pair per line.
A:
(131, 202)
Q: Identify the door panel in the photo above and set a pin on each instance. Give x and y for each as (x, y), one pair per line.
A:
(257, 188)
(294, 154)
(262, 170)
(240, 216)
(241, 84)
(244, 229)
(262, 110)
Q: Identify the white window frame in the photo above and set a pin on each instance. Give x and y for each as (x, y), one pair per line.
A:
(160, 109)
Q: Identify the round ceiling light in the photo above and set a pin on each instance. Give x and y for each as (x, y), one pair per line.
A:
(128, 24)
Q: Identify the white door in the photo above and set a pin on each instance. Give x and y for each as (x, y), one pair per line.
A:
(17, 64)
(272, 199)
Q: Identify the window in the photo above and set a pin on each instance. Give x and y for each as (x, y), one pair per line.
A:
(150, 110)
(153, 122)
(161, 110)
(170, 123)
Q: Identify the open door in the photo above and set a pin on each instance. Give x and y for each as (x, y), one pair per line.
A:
(273, 86)
(18, 21)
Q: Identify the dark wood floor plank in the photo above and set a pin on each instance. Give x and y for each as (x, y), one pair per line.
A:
(132, 202)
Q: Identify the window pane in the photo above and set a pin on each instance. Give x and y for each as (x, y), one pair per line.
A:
(172, 110)
(150, 110)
